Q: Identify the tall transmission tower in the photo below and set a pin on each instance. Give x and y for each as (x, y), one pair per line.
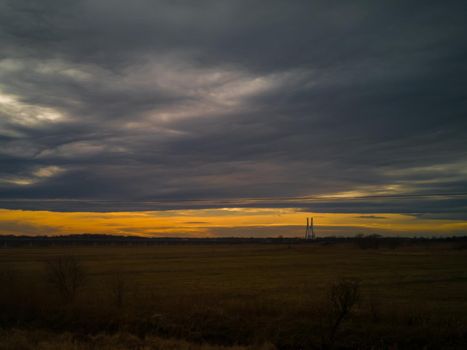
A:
(310, 230)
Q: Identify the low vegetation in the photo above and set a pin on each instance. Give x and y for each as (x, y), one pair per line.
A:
(245, 296)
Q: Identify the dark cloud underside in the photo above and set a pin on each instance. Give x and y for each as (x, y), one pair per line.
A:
(117, 105)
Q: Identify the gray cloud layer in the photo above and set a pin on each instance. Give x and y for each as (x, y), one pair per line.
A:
(112, 105)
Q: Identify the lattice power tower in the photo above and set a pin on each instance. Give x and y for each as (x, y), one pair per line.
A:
(310, 230)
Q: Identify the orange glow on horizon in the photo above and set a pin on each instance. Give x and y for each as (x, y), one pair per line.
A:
(217, 222)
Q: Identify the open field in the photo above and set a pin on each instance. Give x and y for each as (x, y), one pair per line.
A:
(246, 295)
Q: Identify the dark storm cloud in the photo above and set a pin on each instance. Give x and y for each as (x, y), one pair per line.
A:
(107, 105)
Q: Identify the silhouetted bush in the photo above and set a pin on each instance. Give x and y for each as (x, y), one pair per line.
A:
(66, 275)
(342, 297)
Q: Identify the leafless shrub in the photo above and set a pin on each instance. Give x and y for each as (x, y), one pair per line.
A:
(66, 275)
(342, 297)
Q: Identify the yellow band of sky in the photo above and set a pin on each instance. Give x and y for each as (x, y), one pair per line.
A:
(219, 222)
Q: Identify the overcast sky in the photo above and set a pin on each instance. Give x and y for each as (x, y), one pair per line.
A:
(109, 105)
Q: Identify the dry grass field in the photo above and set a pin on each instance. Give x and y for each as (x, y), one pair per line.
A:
(255, 296)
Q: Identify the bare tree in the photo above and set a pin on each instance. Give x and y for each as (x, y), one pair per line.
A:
(342, 297)
(66, 275)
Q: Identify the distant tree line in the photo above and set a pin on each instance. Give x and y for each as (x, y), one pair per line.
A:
(372, 241)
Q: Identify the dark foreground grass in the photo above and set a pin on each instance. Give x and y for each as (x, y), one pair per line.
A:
(248, 296)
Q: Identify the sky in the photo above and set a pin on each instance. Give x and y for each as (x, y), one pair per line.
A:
(233, 118)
